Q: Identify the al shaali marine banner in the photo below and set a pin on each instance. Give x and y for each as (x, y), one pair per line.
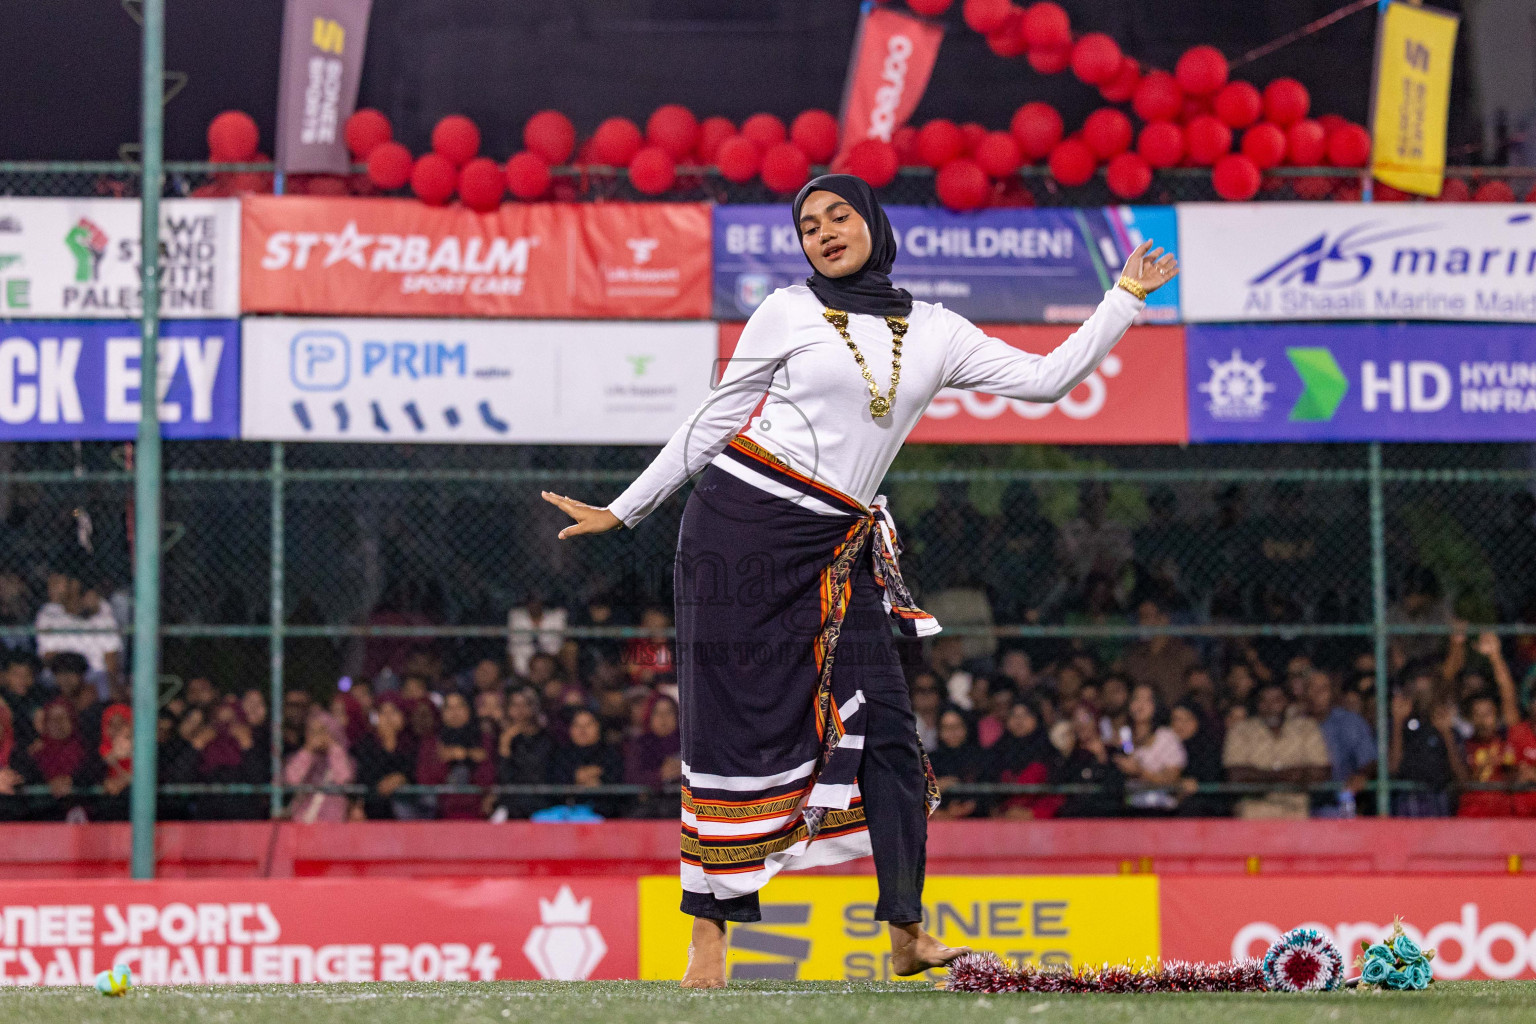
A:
(1415, 49)
(80, 258)
(1370, 261)
(472, 381)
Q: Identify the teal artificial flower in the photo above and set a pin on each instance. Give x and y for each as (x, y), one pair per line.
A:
(1382, 951)
(1406, 948)
(1418, 974)
(1397, 979)
(1375, 970)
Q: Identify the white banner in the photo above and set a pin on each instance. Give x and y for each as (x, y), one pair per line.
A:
(472, 381)
(1357, 261)
(80, 258)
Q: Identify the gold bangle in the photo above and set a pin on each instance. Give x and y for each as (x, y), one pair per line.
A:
(1133, 287)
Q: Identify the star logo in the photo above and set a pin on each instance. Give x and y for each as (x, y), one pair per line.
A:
(349, 245)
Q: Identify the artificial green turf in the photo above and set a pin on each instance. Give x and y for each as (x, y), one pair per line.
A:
(762, 1002)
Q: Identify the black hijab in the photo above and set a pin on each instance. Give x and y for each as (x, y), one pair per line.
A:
(868, 289)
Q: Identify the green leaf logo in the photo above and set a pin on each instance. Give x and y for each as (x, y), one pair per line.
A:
(1323, 384)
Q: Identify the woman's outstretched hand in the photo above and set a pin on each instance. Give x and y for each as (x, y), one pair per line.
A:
(1152, 269)
(589, 519)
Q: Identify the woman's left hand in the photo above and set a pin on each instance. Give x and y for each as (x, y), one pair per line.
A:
(1151, 269)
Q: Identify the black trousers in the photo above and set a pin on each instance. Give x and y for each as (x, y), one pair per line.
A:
(891, 782)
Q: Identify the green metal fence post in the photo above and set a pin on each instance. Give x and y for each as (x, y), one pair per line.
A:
(278, 617)
(146, 484)
(1379, 628)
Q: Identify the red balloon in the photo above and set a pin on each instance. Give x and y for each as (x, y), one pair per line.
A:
(904, 141)
(713, 131)
(551, 135)
(456, 138)
(1036, 127)
(1235, 178)
(1304, 143)
(1072, 162)
(1454, 190)
(366, 130)
(874, 161)
(962, 185)
(1194, 106)
(998, 154)
(434, 178)
(652, 171)
(1050, 61)
(1494, 192)
(1286, 101)
(1096, 58)
(1207, 140)
(674, 128)
(482, 184)
(987, 16)
(1123, 86)
(815, 132)
(1264, 144)
(1385, 193)
(738, 159)
(1008, 41)
(930, 8)
(1349, 145)
(785, 168)
(1313, 186)
(974, 132)
(1332, 122)
(765, 130)
(528, 175)
(616, 142)
(1201, 70)
(1238, 104)
(1108, 132)
(1161, 144)
(232, 138)
(1047, 27)
(938, 142)
(389, 166)
(1128, 176)
(1158, 97)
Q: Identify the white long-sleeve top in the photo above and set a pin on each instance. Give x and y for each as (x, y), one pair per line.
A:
(816, 415)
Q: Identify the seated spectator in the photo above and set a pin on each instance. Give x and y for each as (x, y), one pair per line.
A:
(458, 758)
(386, 760)
(1016, 670)
(116, 752)
(535, 629)
(1087, 763)
(654, 758)
(524, 751)
(11, 764)
(175, 761)
(1154, 755)
(240, 753)
(322, 761)
(1351, 743)
(1425, 750)
(1161, 661)
(24, 694)
(1200, 692)
(1270, 748)
(926, 704)
(994, 717)
(58, 757)
(1114, 710)
(296, 708)
(490, 712)
(587, 761)
(956, 758)
(72, 607)
(1490, 759)
(1202, 763)
(69, 672)
(1024, 755)
(485, 677)
(946, 655)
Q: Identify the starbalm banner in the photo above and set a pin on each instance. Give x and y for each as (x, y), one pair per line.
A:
(1415, 47)
(322, 64)
(893, 57)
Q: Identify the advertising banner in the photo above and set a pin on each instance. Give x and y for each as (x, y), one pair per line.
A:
(80, 258)
(322, 64)
(75, 380)
(1136, 396)
(893, 57)
(295, 931)
(1019, 265)
(1357, 261)
(1411, 97)
(1361, 382)
(400, 257)
(1481, 926)
(823, 927)
(472, 381)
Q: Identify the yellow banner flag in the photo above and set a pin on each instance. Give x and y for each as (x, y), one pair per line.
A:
(1412, 96)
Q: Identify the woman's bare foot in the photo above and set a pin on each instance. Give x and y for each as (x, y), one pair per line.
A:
(706, 955)
(914, 951)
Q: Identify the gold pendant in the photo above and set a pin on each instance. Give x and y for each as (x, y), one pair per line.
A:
(879, 406)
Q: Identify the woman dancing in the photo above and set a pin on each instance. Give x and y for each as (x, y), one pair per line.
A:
(799, 747)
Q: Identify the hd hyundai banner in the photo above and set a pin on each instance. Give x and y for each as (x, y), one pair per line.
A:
(1019, 265)
(80, 258)
(472, 381)
(1361, 382)
(1358, 261)
(78, 380)
(400, 257)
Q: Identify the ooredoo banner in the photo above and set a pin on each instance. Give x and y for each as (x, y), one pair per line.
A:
(893, 57)
(296, 931)
(1019, 265)
(399, 257)
(80, 258)
(472, 381)
(1480, 926)
(1136, 396)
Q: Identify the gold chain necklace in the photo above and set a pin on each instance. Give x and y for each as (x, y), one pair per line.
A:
(879, 404)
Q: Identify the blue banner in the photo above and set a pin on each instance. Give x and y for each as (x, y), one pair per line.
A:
(1361, 382)
(1014, 265)
(78, 380)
